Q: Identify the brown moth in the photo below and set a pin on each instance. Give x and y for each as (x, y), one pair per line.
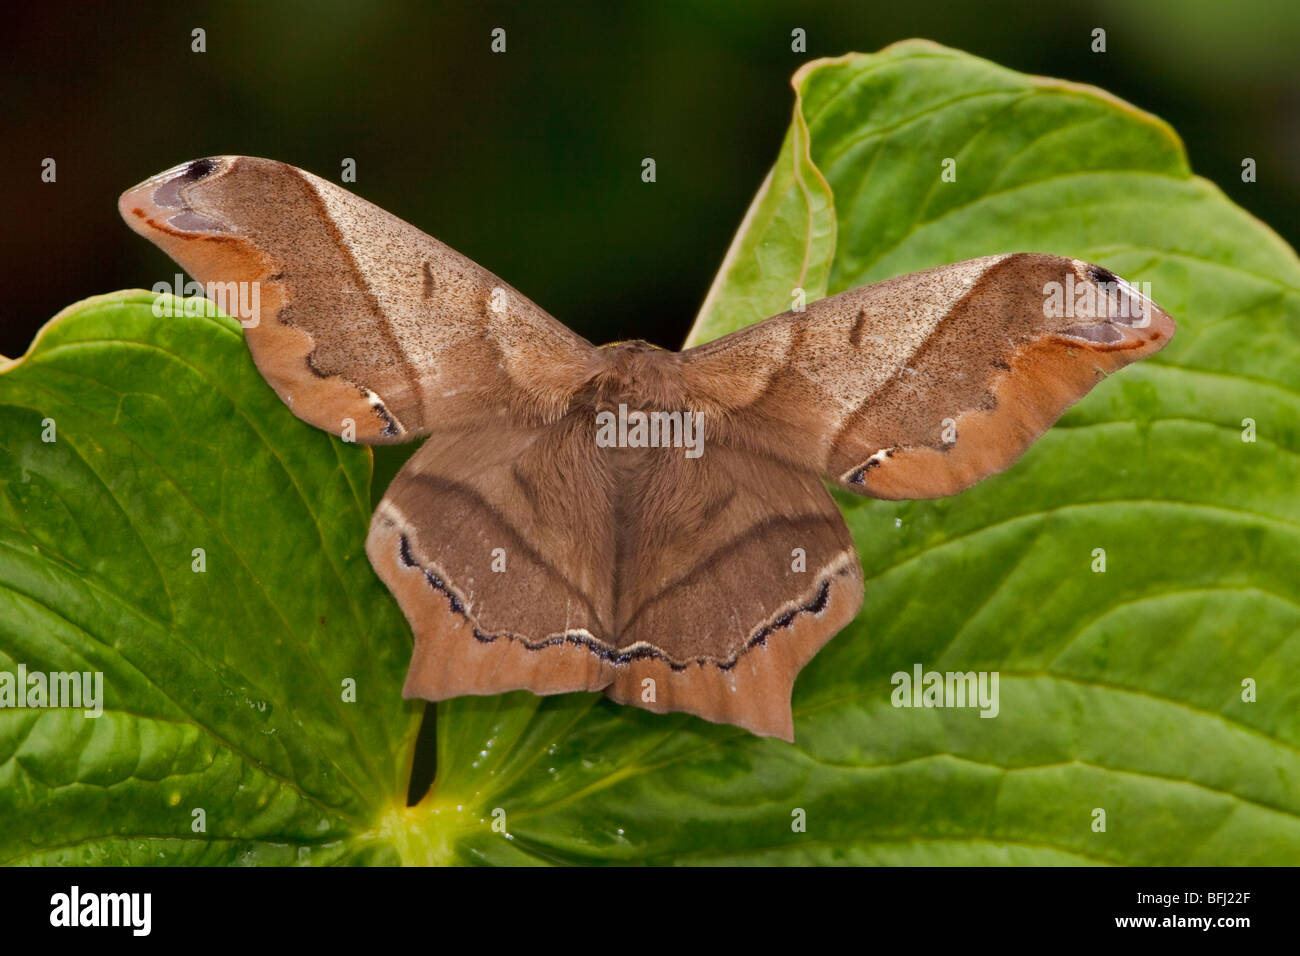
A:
(527, 554)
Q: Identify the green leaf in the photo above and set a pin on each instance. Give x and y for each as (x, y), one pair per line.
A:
(1120, 691)
(222, 688)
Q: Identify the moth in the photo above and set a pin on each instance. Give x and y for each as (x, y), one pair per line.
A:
(526, 552)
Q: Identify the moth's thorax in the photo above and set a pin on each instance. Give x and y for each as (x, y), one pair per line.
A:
(637, 374)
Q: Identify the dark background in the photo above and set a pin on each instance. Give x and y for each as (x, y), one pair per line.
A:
(529, 162)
